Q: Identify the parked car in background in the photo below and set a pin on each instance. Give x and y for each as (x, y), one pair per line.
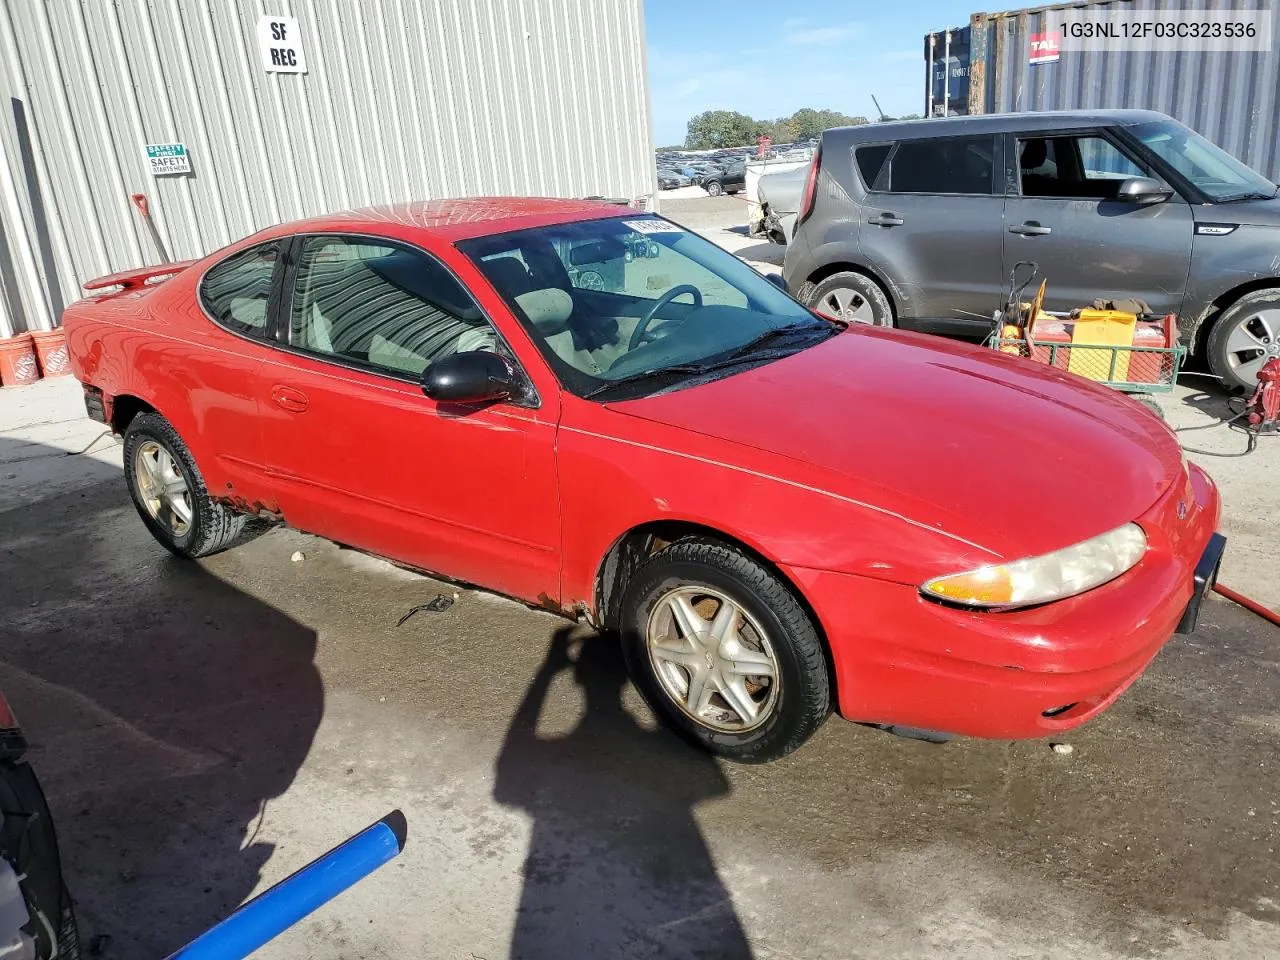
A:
(729, 179)
(426, 382)
(779, 195)
(36, 917)
(670, 179)
(918, 224)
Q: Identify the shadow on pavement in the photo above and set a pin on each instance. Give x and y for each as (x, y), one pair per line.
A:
(617, 865)
(166, 710)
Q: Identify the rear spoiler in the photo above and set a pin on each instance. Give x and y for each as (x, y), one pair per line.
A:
(128, 280)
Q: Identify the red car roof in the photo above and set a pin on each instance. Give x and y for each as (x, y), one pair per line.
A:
(459, 219)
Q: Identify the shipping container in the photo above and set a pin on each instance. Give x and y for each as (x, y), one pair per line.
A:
(231, 116)
(946, 58)
(1018, 62)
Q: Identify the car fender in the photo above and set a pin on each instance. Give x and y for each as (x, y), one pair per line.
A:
(1224, 268)
(618, 473)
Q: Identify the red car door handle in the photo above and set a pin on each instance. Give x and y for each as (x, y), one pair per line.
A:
(289, 398)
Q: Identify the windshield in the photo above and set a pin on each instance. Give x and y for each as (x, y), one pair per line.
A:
(1214, 171)
(619, 301)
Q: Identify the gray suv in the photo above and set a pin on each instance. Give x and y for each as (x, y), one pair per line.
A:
(917, 224)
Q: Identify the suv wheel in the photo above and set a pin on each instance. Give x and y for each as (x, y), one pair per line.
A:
(1244, 337)
(714, 188)
(852, 297)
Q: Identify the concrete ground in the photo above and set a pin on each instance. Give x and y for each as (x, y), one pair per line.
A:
(203, 729)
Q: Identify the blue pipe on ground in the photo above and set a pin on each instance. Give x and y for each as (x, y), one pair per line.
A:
(275, 910)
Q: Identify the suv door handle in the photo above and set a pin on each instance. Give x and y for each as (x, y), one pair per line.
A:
(289, 398)
(886, 219)
(1031, 229)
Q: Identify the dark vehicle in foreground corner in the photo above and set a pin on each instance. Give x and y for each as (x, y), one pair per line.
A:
(36, 918)
(917, 224)
(665, 451)
(732, 178)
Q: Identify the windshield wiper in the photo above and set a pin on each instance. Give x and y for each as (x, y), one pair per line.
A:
(747, 351)
(777, 333)
(1250, 195)
(654, 374)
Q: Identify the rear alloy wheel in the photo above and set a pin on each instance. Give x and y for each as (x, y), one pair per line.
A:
(723, 651)
(169, 491)
(853, 298)
(714, 188)
(1244, 337)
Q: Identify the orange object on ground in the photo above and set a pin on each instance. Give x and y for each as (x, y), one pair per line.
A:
(51, 352)
(18, 361)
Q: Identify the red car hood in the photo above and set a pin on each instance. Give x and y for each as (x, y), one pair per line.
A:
(1010, 455)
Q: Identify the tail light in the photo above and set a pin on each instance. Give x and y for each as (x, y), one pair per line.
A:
(810, 186)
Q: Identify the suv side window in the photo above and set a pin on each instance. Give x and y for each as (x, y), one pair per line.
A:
(1086, 166)
(381, 305)
(964, 165)
(237, 290)
(870, 160)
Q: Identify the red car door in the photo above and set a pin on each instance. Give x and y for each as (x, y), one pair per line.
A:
(358, 453)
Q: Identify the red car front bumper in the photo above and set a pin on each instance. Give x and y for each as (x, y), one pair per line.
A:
(905, 660)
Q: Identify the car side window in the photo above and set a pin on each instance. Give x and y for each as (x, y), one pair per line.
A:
(870, 160)
(1086, 166)
(964, 165)
(237, 290)
(381, 305)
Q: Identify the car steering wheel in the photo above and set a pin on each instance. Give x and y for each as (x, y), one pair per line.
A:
(637, 335)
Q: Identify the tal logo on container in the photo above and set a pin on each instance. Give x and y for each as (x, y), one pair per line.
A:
(1046, 47)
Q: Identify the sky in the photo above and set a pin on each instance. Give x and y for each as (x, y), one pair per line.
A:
(769, 59)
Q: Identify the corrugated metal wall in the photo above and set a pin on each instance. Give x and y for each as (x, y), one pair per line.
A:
(404, 99)
(1231, 98)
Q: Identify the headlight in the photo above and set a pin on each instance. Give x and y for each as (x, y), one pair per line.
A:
(1053, 576)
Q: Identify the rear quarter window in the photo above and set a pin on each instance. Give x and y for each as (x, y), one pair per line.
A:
(237, 290)
(870, 160)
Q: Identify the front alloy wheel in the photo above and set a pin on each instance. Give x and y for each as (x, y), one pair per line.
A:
(712, 659)
(1244, 337)
(722, 650)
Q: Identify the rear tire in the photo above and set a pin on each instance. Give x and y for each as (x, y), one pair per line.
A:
(187, 521)
(724, 708)
(1236, 347)
(852, 297)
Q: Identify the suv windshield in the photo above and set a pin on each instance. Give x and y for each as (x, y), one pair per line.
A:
(627, 306)
(1209, 168)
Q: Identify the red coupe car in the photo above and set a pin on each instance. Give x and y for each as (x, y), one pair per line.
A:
(598, 412)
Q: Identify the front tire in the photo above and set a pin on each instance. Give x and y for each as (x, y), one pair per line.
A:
(1244, 337)
(852, 297)
(169, 492)
(714, 189)
(723, 651)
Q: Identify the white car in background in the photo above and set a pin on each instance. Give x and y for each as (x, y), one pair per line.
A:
(779, 195)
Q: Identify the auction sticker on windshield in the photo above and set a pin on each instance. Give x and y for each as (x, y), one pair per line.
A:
(652, 226)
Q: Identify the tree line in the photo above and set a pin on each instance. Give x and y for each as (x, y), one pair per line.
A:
(715, 129)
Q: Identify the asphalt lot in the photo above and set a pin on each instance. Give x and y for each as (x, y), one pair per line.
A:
(204, 729)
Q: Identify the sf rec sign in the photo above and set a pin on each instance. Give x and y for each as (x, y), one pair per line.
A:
(280, 45)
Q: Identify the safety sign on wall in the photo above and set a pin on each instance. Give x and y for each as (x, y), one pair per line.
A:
(167, 158)
(280, 44)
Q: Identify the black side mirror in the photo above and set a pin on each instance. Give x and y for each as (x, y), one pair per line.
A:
(1143, 191)
(777, 281)
(472, 377)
